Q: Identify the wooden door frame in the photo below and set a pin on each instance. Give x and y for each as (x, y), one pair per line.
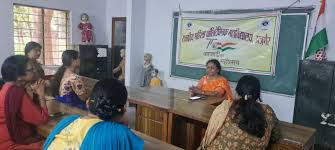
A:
(114, 19)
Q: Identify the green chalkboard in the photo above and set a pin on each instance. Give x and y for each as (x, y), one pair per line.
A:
(290, 48)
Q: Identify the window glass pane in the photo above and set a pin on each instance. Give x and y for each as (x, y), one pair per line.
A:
(45, 26)
(56, 38)
(27, 27)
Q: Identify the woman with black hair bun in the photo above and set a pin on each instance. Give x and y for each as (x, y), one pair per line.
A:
(242, 123)
(104, 129)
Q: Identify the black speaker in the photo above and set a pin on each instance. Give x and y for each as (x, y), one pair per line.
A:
(315, 101)
(95, 61)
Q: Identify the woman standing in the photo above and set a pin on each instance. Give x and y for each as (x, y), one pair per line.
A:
(33, 52)
(18, 113)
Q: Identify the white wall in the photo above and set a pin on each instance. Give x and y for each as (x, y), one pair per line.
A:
(330, 20)
(135, 41)
(95, 9)
(114, 8)
(158, 14)
(6, 30)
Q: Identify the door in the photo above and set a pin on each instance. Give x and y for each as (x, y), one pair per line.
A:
(118, 39)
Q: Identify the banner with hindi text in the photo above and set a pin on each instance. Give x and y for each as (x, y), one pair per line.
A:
(242, 44)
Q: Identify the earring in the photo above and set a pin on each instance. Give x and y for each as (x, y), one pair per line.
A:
(245, 97)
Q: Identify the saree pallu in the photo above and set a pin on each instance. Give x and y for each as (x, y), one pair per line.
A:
(101, 135)
(72, 99)
(20, 131)
(224, 133)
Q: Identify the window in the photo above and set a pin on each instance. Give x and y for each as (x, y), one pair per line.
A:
(48, 27)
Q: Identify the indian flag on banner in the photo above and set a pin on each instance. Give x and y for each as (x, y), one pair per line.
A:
(319, 42)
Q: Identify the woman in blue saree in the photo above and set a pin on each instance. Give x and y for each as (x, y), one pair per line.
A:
(103, 129)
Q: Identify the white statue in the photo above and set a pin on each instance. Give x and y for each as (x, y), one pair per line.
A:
(122, 66)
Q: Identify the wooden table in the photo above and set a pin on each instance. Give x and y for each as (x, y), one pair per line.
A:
(168, 115)
(150, 143)
(170, 93)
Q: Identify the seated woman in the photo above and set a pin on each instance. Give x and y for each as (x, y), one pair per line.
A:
(104, 129)
(66, 85)
(18, 114)
(213, 84)
(244, 123)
